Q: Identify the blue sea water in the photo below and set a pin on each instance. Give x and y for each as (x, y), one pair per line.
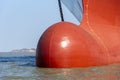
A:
(21, 66)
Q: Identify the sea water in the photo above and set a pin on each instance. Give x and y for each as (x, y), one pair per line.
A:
(21, 66)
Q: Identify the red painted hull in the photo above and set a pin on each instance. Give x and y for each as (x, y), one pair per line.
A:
(102, 20)
(65, 45)
(96, 42)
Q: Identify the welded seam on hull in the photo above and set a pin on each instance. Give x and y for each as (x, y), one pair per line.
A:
(91, 29)
(50, 45)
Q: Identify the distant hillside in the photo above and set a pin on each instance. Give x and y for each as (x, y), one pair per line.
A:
(24, 50)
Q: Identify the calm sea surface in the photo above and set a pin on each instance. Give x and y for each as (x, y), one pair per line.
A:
(21, 66)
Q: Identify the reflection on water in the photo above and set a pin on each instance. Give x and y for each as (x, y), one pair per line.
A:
(23, 68)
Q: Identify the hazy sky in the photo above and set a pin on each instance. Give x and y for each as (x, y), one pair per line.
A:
(23, 21)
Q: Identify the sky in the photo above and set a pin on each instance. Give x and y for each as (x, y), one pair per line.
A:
(22, 22)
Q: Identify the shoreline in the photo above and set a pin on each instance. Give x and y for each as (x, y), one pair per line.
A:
(16, 54)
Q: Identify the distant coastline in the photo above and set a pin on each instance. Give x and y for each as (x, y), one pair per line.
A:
(33, 50)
